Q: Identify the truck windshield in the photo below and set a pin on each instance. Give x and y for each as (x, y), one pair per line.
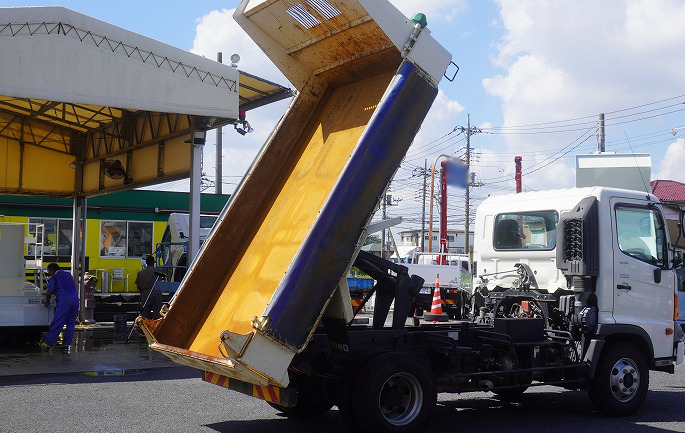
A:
(526, 231)
(206, 222)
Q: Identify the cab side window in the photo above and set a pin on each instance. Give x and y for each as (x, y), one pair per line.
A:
(641, 234)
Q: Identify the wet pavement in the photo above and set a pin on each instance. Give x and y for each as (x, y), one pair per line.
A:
(96, 350)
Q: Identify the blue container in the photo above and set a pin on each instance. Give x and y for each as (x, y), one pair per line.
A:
(359, 283)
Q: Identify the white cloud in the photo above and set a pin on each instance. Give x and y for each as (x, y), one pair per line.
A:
(671, 167)
(569, 59)
(217, 31)
(434, 9)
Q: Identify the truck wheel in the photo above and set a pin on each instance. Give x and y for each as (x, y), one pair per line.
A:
(621, 381)
(345, 398)
(310, 402)
(394, 392)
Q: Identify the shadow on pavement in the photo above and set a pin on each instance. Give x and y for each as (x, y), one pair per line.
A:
(560, 412)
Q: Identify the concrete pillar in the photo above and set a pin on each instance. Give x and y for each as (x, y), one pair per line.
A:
(78, 249)
(198, 142)
(76, 238)
(219, 174)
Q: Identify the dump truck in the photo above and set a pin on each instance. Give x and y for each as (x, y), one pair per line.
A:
(453, 278)
(172, 252)
(264, 309)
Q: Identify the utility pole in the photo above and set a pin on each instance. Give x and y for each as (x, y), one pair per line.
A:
(423, 214)
(518, 176)
(601, 143)
(467, 218)
(443, 213)
(218, 179)
(385, 216)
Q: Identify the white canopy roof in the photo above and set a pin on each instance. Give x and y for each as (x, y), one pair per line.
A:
(56, 54)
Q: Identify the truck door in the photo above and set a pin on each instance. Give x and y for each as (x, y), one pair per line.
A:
(640, 247)
(680, 287)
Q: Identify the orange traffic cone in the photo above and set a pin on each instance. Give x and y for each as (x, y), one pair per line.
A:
(436, 314)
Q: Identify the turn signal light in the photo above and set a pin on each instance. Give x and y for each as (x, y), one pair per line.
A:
(676, 312)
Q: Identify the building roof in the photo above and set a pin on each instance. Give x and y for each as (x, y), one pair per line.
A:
(71, 57)
(78, 59)
(373, 247)
(135, 205)
(88, 108)
(668, 190)
(436, 230)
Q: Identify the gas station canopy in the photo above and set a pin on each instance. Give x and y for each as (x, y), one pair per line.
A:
(88, 108)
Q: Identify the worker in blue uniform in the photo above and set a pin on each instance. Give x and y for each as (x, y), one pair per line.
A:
(61, 285)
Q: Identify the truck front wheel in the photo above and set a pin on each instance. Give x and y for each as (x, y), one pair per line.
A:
(394, 392)
(621, 380)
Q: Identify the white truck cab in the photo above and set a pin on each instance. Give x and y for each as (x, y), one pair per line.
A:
(171, 252)
(612, 260)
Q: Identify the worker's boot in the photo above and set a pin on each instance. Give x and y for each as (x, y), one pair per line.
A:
(64, 348)
(43, 346)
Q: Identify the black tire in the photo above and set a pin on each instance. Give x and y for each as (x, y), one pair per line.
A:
(311, 403)
(394, 393)
(344, 398)
(621, 364)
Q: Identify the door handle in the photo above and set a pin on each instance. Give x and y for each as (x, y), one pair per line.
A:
(624, 286)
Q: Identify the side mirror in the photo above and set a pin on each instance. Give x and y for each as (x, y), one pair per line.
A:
(677, 261)
(657, 276)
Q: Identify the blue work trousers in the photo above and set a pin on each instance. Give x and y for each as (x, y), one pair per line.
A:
(65, 314)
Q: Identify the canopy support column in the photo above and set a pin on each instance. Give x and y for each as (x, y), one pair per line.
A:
(198, 142)
(78, 250)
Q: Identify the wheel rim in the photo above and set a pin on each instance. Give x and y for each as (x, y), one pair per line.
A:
(401, 399)
(624, 379)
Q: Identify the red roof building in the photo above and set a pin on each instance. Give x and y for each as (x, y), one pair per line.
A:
(668, 190)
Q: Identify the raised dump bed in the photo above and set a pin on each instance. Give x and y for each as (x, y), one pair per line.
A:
(277, 257)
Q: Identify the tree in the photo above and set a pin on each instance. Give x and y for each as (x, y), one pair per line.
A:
(372, 239)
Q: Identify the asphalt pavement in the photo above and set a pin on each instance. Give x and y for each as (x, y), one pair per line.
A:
(174, 399)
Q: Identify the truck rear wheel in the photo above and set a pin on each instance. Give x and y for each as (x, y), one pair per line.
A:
(394, 392)
(621, 380)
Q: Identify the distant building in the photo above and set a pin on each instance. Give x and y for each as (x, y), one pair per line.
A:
(674, 193)
(374, 248)
(669, 190)
(122, 228)
(411, 240)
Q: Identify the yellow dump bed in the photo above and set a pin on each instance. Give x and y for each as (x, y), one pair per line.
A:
(275, 258)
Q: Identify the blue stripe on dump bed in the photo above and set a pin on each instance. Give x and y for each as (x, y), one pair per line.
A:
(326, 252)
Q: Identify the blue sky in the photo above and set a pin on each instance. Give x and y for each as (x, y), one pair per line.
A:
(523, 62)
